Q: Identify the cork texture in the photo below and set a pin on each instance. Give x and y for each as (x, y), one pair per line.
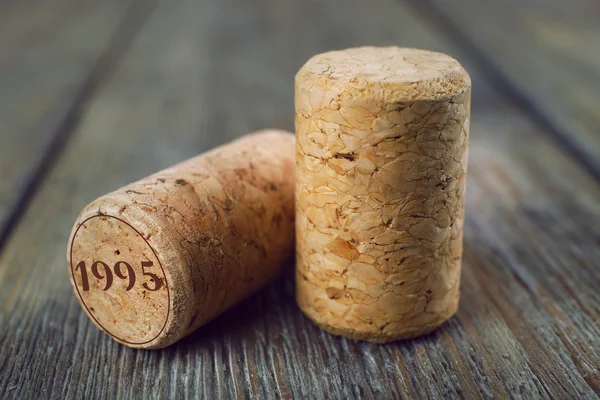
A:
(133, 311)
(381, 158)
(214, 228)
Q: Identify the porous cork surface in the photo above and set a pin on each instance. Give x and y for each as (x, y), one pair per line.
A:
(381, 157)
(217, 227)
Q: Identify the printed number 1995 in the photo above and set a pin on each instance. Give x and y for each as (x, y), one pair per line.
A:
(122, 270)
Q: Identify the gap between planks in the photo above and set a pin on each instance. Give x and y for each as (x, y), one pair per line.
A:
(500, 81)
(126, 31)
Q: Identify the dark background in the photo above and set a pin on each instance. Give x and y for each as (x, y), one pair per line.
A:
(96, 94)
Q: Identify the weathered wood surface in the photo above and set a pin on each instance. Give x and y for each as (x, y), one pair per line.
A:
(53, 56)
(545, 55)
(200, 73)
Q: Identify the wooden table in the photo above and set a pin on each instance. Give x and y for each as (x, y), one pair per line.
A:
(94, 95)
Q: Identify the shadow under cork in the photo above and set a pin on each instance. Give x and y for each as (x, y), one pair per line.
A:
(271, 314)
(249, 320)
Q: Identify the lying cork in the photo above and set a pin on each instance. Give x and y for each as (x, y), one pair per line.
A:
(381, 161)
(156, 259)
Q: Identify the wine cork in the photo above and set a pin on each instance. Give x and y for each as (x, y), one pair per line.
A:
(381, 158)
(158, 258)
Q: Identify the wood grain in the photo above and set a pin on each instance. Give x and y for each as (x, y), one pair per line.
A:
(200, 73)
(545, 56)
(52, 58)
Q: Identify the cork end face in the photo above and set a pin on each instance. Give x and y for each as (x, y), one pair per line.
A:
(119, 281)
(396, 73)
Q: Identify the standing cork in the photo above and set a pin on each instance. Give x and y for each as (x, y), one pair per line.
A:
(381, 161)
(158, 258)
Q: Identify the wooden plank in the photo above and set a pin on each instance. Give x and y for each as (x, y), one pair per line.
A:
(199, 74)
(23, 26)
(52, 57)
(544, 56)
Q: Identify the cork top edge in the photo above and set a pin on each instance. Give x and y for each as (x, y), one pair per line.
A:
(394, 73)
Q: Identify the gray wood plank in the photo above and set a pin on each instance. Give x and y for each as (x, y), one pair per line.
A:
(544, 55)
(52, 57)
(201, 73)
